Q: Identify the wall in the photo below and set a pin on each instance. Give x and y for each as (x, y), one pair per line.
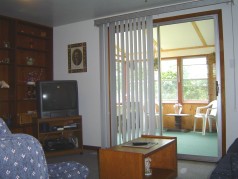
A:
(231, 71)
(89, 84)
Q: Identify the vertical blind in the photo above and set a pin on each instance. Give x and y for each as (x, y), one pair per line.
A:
(129, 79)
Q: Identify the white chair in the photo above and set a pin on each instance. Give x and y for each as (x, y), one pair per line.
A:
(211, 114)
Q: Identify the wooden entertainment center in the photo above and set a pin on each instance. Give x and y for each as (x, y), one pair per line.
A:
(59, 128)
(25, 57)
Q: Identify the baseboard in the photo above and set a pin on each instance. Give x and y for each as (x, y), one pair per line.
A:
(88, 147)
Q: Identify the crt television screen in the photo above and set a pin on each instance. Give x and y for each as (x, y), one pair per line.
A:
(58, 96)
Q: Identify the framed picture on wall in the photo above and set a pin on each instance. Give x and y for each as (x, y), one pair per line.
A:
(77, 58)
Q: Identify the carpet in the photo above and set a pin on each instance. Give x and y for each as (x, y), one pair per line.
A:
(194, 143)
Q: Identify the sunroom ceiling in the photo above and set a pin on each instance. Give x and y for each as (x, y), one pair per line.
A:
(190, 38)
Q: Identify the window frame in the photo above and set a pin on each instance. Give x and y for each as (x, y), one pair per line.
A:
(180, 80)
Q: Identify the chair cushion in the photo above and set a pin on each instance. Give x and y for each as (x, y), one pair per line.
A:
(63, 170)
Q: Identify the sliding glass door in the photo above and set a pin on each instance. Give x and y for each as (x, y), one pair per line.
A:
(187, 74)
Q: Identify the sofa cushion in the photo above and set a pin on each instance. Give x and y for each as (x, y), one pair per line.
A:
(63, 170)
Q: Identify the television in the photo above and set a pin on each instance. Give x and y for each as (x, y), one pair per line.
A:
(58, 98)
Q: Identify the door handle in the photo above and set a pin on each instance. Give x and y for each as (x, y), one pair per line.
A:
(217, 88)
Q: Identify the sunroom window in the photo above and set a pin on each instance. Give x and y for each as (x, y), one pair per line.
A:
(184, 79)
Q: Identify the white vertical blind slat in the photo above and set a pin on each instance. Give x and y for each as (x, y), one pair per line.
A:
(132, 122)
(150, 76)
(140, 77)
(118, 70)
(144, 57)
(123, 83)
(159, 102)
(127, 82)
(136, 78)
(105, 135)
(113, 116)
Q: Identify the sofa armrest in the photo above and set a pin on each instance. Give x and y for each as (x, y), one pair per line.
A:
(223, 170)
(21, 156)
(4, 130)
(234, 147)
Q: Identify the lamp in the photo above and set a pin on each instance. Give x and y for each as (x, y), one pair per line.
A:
(3, 84)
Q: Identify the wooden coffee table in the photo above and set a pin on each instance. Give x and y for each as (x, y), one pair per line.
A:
(128, 162)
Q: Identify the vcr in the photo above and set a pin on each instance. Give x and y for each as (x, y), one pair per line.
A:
(59, 144)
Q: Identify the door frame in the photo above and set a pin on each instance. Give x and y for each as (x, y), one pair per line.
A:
(220, 66)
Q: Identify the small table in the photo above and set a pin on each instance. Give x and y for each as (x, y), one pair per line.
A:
(127, 162)
(178, 124)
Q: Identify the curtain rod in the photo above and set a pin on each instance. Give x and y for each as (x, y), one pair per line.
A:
(160, 10)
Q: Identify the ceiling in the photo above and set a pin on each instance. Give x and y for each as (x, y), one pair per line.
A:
(196, 37)
(59, 12)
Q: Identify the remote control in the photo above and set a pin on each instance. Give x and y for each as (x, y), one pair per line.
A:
(140, 143)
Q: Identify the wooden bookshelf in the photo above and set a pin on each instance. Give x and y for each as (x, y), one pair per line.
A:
(25, 57)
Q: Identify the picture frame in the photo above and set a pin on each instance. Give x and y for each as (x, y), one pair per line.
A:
(77, 57)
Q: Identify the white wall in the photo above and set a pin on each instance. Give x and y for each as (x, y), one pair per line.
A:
(88, 82)
(89, 89)
(231, 71)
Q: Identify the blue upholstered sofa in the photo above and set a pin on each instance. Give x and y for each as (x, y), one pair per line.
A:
(227, 167)
(22, 157)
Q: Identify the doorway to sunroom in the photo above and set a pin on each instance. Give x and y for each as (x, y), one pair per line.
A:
(186, 74)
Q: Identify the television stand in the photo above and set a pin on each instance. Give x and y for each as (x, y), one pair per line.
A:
(59, 136)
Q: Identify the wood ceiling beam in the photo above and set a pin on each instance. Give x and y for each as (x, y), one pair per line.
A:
(195, 26)
(186, 48)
